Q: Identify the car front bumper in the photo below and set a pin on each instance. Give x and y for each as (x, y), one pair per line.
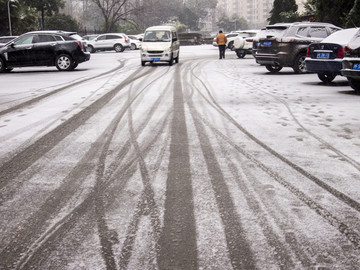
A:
(156, 57)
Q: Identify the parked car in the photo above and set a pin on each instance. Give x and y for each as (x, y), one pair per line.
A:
(242, 44)
(110, 41)
(285, 45)
(65, 50)
(351, 64)
(6, 39)
(351, 70)
(325, 57)
(230, 36)
(135, 42)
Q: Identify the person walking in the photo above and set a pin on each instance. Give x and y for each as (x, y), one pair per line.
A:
(221, 40)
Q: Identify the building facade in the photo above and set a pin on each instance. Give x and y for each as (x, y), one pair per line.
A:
(256, 12)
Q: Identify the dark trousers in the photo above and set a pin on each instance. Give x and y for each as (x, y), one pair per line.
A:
(222, 49)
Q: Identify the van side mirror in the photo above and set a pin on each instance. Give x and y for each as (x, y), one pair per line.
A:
(174, 39)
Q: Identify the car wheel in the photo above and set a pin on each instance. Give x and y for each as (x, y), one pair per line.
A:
(240, 54)
(326, 77)
(64, 62)
(300, 66)
(171, 60)
(132, 46)
(355, 84)
(2, 65)
(143, 63)
(118, 48)
(91, 49)
(273, 68)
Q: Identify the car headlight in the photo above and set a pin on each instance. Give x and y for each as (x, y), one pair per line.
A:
(167, 50)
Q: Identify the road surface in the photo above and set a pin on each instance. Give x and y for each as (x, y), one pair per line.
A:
(206, 164)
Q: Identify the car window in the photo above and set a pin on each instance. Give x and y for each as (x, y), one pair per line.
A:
(318, 32)
(231, 35)
(28, 39)
(113, 37)
(303, 32)
(58, 38)
(333, 30)
(44, 38)
(275, 31)
(101, 38)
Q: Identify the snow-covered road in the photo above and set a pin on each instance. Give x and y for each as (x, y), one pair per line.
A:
(207, 164)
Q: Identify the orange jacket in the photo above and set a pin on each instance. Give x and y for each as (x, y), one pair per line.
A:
(221, 39)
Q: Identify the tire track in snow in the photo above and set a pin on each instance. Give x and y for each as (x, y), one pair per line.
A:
(13, 167)
(178, 237)
(336, 193)
(351, 234)
(57, 90)
(36, 223)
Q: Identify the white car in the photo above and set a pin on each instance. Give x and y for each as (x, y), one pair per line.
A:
(243, 43)
(110, 41)
(135, 42)
(230, 39)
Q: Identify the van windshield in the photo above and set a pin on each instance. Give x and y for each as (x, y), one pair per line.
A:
(157, 36)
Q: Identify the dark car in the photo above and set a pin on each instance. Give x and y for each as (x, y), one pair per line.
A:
(65, 50)
(6, 39)
(325, 58)
(285, 45)
(351, 70)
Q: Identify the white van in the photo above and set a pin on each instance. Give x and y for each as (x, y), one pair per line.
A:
(160, 44)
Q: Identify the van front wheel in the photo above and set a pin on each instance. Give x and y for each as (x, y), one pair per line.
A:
(143, 63)
(171, 60)
(177, 59)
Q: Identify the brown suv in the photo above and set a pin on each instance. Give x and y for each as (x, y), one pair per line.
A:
(285, 44)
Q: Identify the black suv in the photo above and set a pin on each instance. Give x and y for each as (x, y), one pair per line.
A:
(285, 44)
(65, 50)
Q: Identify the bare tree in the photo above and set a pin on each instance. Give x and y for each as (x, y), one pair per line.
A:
(115, 11)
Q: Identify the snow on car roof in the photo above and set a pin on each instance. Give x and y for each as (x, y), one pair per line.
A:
(343, 37)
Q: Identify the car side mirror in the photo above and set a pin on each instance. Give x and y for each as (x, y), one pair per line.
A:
(140, 39)
(12, 45)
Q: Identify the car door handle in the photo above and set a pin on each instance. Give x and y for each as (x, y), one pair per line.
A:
(29, 48)
(53, 44)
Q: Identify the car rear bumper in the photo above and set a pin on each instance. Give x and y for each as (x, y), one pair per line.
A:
(351, 73)
(82, 57)
(318, 66)
(271, 59)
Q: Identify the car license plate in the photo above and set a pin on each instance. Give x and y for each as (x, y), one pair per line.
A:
(356, 66)
(155, 59)
(323, 55)
(267, 43)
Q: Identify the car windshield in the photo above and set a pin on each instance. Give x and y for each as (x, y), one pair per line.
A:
(157, 36)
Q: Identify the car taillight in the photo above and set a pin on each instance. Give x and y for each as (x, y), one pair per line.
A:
(125, 39)
(341, 52)
(308, 54)
(80, 45)
(249, 40)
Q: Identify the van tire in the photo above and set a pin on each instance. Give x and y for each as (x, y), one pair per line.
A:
(177, 59)
(171, 60)
(143, 63)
